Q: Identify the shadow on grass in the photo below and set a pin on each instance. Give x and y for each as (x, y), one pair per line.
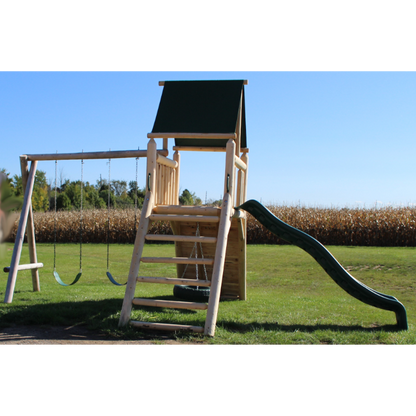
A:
(100, 317)
(90, 312)
(253, 326)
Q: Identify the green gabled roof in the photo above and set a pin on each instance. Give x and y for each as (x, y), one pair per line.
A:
(201, 107)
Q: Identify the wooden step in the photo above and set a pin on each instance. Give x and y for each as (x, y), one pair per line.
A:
(191, 218)
(177, 260)
(185, 238)
(166, 327)
(186, 210)
(174, 281)
(174, 304)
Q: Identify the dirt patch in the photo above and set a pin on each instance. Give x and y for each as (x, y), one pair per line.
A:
(63, 335)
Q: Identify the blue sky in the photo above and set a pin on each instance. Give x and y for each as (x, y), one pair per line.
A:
(315, 138)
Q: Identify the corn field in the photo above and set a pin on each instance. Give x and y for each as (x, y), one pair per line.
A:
(392, 227)
(358, 227)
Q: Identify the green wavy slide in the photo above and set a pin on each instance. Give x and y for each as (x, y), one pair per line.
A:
(327, 261)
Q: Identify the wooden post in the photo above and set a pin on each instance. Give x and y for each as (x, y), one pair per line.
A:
(151, 170)
(141, 233)
(223, 230)
(17, 251)
(244, 158)
(177, 158)
(30, 229)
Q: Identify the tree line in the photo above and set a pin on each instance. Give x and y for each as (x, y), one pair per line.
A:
(117, 193)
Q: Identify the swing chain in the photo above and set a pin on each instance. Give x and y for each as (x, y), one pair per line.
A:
(108, 219)
(54, 222)
(81, 219)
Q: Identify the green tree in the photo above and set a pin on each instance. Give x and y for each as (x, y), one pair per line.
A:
(40, 194)
(188, 198)
(17, 185)
(63, 202)
(40, 197)
(92, 197)
(118, 187)
(141, 193)
(103, 193)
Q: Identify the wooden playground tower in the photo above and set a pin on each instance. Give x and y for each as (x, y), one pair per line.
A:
(201, 116)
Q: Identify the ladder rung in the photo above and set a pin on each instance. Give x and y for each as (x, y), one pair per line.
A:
(193, 218)
(176, 304)
(185, 238)
(174, 281)
(177, 260)
(184, 209)
(166, 327)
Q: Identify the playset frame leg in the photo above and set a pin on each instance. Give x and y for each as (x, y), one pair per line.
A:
(20, 236)
(30, 229)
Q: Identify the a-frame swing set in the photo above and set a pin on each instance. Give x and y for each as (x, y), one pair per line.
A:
(26, 223)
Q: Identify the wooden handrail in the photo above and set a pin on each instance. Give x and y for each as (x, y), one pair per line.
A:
(167, 162)
(240, 164)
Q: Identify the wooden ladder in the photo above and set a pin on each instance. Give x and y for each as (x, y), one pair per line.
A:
(179, 216)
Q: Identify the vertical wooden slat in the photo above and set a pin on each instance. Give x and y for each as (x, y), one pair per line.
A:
(244, 158)
(177, 158)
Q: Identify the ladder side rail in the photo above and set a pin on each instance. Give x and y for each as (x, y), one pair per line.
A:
(144, 224)
(223, 230)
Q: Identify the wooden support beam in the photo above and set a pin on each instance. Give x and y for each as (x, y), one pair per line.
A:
(117, 154)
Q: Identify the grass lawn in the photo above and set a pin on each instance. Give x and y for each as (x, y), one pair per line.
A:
(291, 300)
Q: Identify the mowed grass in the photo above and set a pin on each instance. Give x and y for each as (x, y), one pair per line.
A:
(291, 300)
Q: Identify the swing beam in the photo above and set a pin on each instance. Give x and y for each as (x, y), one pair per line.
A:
(116, 154)
(26, 223)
